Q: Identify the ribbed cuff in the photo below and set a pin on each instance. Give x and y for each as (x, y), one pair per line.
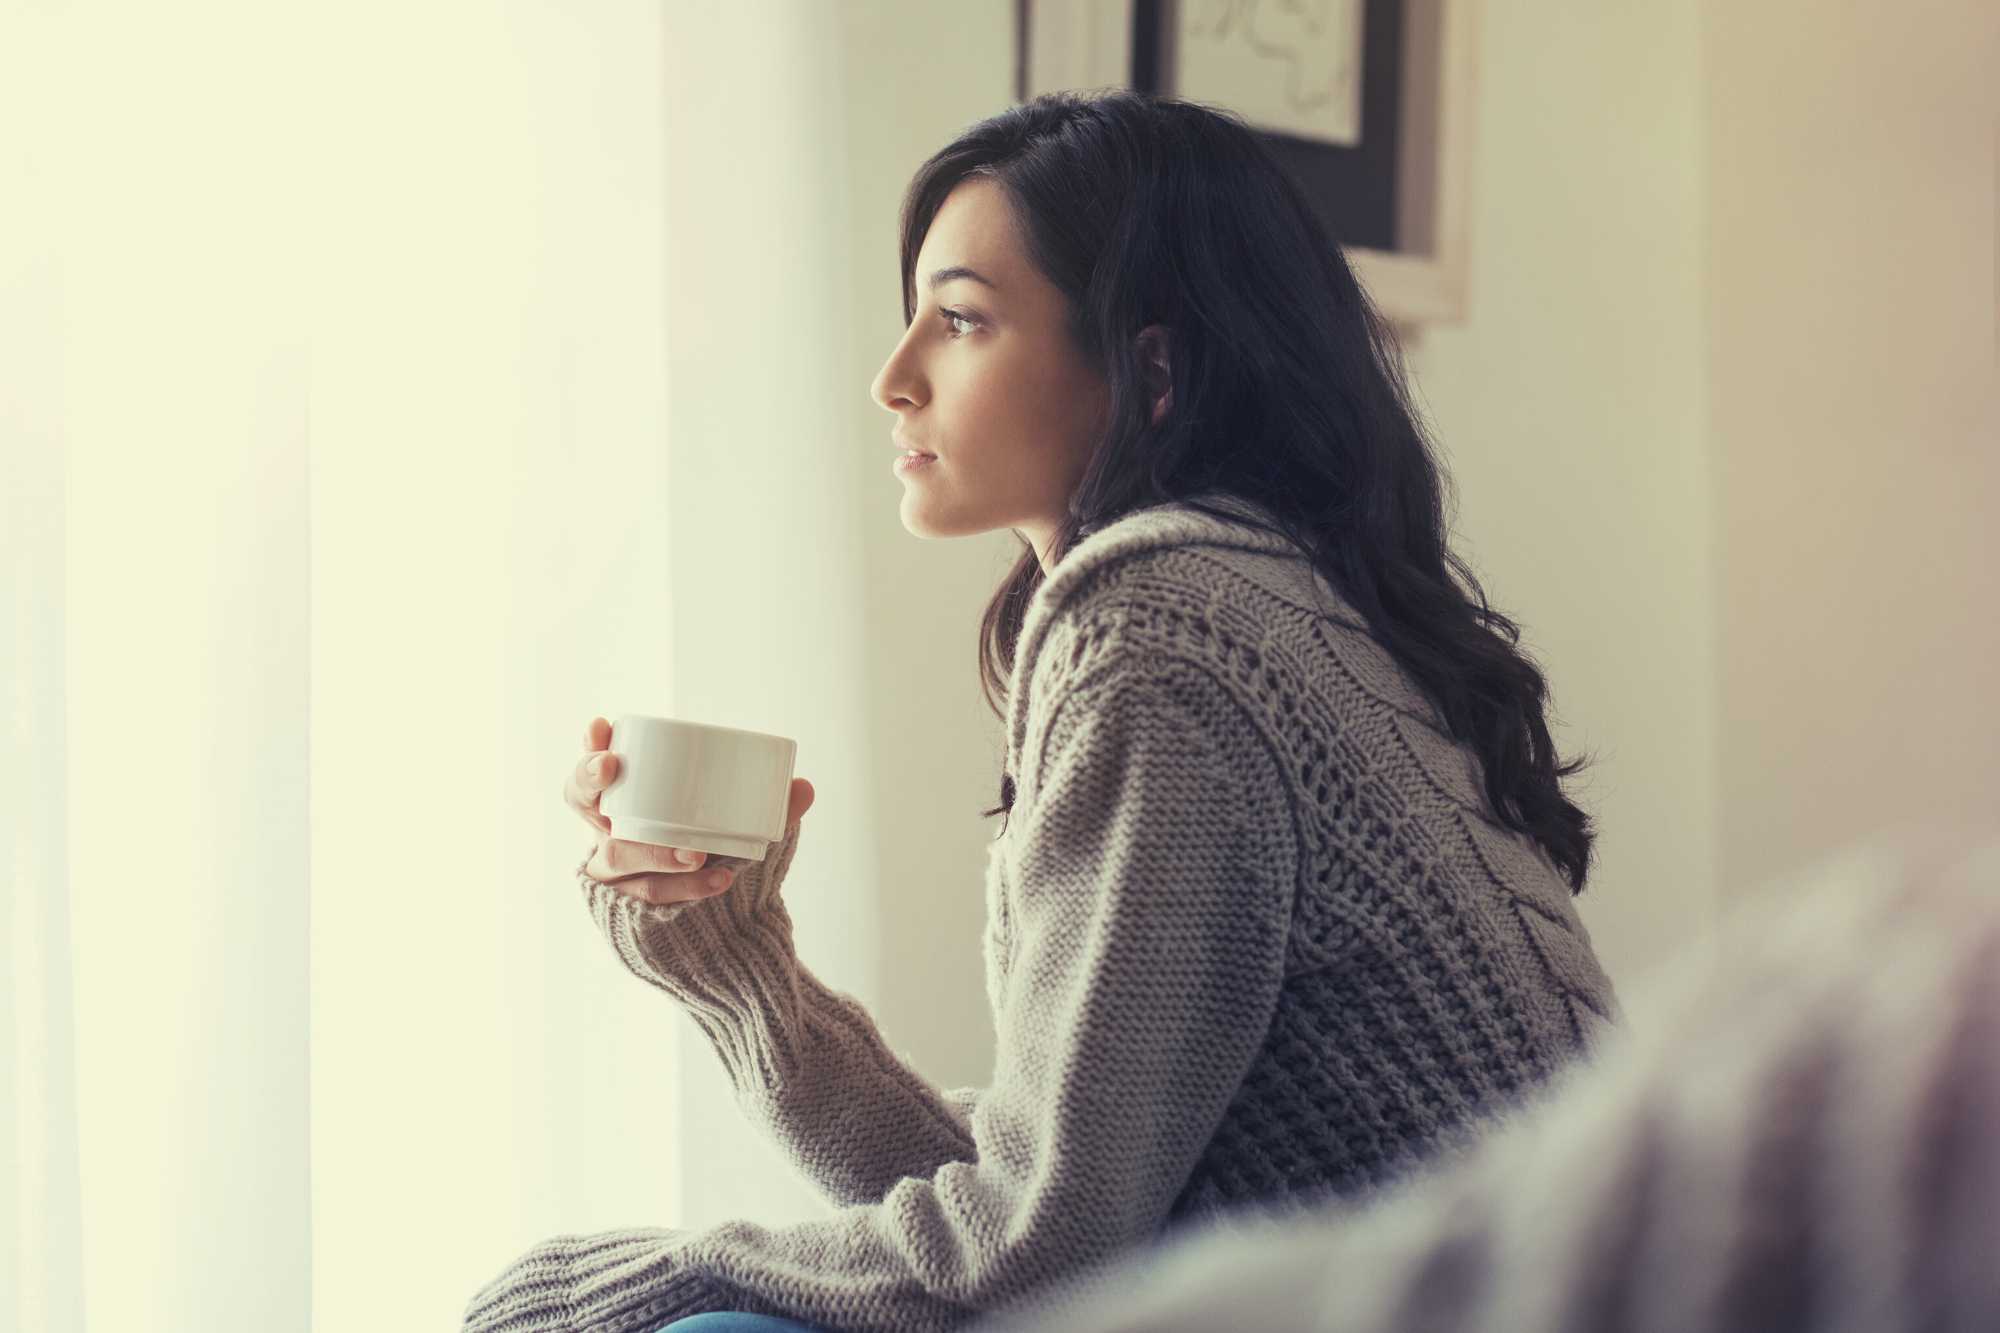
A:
(630, 1280)
(728, 959)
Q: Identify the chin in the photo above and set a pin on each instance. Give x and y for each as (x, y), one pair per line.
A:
(929, 514)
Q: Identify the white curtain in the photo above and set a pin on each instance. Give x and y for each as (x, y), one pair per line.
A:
(389, 389)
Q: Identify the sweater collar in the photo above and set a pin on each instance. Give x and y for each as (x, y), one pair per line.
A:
(1174, 523)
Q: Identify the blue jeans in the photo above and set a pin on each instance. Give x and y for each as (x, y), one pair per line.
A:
(716, 1321)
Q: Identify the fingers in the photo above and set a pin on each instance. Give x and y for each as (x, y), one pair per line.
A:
(583, 787)
(663, 890)
(621, 857)
(651, 874)
(800, 801)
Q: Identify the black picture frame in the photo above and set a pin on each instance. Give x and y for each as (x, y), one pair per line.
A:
(1398, 201)
(1353, 190)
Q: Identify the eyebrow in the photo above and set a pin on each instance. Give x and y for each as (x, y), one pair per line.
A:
(944, 275)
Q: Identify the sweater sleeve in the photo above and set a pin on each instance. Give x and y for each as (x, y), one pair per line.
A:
(808, 1065)
(1801, 1136)
(1151, 899)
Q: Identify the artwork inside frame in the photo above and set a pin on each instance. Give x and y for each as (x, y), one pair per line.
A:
(1367, 103)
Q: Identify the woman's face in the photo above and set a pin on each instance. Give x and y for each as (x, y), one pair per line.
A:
(998, 392)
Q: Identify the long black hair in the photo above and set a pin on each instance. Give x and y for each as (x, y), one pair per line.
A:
(1288, 391)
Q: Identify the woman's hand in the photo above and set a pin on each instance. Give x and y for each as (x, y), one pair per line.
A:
(640, 869)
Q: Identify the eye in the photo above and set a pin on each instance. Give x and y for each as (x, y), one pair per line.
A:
(951, 317)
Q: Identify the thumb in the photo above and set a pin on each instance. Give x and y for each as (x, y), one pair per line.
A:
(801, 800)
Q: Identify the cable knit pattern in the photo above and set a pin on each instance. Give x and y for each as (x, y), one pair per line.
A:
(1252, 934)
(1799, 1130)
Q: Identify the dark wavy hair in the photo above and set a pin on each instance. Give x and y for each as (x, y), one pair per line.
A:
(1288, 391)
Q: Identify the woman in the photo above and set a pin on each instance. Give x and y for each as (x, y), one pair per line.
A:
(1281, 906)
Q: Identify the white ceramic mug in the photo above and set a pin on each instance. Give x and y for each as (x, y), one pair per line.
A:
(687, 784)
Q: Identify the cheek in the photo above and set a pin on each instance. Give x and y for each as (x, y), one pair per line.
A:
(1060, 406)
(1027, 409)
(1081, 409)
(1011, 406)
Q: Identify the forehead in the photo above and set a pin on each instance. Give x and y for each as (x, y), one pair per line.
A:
(973, 227)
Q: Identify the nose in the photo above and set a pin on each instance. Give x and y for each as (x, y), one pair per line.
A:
(884, 388)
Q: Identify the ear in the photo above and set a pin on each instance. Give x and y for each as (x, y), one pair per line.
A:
(1154, 342)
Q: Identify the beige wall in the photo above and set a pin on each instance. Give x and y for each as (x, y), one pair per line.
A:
(1853, 153)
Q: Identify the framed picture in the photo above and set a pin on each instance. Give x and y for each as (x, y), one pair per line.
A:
(1367, 103)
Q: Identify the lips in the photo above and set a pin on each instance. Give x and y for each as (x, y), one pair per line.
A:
(910, 448)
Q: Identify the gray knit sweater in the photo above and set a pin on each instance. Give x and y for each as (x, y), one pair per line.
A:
(1797, 1132)
(1252, 934)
